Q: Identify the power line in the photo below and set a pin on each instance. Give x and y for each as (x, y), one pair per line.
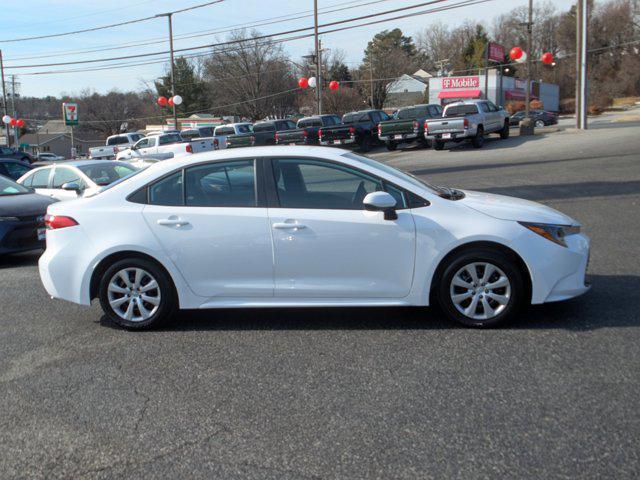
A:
(104, 27)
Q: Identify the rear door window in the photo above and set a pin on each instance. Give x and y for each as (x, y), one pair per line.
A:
(167, 191)
(229, 184)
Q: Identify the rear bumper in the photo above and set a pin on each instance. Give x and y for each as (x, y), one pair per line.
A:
(457, 135)
(16, 237)
(399, 137)
(343, 141)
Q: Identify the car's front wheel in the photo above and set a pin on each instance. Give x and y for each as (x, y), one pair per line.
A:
(481, 288)
(539, 123)
(504, 133)
(137, 294)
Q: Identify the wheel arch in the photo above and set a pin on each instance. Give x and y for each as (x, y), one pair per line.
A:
(489, 245)
(106, 262)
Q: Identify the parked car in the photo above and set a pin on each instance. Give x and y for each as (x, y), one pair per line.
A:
(161, 146)
(21, 217)
(307, 129)
(265, 133)
(467, 120)
(49, 157)
(541, 118)
(8, 152)
(196, 133)
(305, 226)
(72, 179)
(114, 145)
(243, 136)
(13, 169)
(222, 132)
(407, 125)
(358, 129)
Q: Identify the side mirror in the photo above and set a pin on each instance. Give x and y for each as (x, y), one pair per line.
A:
(72, 187)
(381, 202)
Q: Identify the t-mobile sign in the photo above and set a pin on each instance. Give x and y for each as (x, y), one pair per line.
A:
(460, 82)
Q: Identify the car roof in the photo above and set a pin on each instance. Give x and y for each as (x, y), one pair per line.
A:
(13, 160)
(83, 163)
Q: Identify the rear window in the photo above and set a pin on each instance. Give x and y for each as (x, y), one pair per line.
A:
(244, 128)
(117, 140)
(170, 138)
(351, 117)
(310, 122)
(189, 134)
(263, 127)
(206, 132)
(406, 113)
(224, 131)
(460, 110)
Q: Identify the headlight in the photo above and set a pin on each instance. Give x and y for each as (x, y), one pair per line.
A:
(555, 233)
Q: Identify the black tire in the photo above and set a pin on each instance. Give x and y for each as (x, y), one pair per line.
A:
(498, 259)
(365, 144)
(167, 294)
(391, 145)
(424, 143)
(438, 144)
(540, 123)
(504, 133)
(478, 140)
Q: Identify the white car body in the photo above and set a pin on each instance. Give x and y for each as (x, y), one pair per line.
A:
(258, 256)
(161, 146)
(113, 145)
(63, 173)
(221, 133)
(49, 157)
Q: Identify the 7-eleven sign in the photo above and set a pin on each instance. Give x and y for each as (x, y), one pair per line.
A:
(70, 113)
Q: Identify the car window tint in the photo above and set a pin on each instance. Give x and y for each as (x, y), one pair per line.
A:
(142, 143)
(224, 131)
(460, 110)
(244, 128)
(15, 170)
(167, 191)
(206, 132)
(398, 194)
(103, 174)
(406, 113)
(62, 175)
(318, 184)
(40, 179)
(229, 184)
(263, 127)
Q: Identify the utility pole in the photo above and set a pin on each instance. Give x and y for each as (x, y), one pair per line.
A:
(527, 94)
(173, 86)
(371, 77)
(318, 59)
(582, 32)
(13, 109)
(4, 99)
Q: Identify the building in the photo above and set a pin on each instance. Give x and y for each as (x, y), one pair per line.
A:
(407, 90)
(193, 121)
(498, 88)
(58, 143)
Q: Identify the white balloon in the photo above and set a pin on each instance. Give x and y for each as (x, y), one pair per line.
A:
(312, 82)
(6, 119)
(523, 58)
(177, 99)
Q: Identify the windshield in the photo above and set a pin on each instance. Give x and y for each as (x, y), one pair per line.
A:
(106, 173)
(407, 177)
(9, 187)
(460, 110)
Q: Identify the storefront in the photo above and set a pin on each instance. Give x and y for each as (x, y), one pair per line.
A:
(497, 88)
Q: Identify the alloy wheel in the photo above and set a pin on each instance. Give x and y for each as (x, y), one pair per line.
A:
(480, 290)
(134, 294)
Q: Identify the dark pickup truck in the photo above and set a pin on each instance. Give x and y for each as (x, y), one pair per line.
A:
(265, 132)
(307, 131)
(407, 126)
(358, 129)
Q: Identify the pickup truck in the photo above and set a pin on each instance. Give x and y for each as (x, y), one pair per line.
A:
(307, 131)
(162, 147)
(114, 145)
(467, 120)
(358, 129)
(267, 131)
(407, 126)
(243, 136)
(223, 132)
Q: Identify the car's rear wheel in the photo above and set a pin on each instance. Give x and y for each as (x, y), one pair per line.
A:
(137, 294)
(478, 140)
(391, 145)
(481, 288)
(539, 123)
(504, 133)
(365, 145)
(438, 144)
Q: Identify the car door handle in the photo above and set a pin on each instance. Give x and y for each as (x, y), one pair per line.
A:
(172, 222)
(286, 226)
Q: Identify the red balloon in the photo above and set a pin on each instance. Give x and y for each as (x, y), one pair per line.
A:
(13, 122)
(547, 58)
(162, 101)
(515, 53)
(303, 82)
(20, 123)
(333, 85)
(170, 101)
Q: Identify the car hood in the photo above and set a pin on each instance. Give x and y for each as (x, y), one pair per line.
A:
(517, 209)
(24, 205)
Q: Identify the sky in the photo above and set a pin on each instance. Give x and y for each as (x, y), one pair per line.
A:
(39, 17)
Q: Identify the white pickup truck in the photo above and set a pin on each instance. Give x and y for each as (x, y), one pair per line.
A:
(164, 146)
(114, 145)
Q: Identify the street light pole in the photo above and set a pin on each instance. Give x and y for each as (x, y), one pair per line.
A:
(582, 16)
(318, 59)
(173, 87)
(527, 94)
(4, 98)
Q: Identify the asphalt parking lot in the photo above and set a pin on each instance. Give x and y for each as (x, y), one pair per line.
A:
(352, 393)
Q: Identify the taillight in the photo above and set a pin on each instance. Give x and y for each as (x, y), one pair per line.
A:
(379, 129)
(426, 127)
(305, 134)
(54, 222)
(253, 139)
(189, 148)
(352, 131)
(277, 137)
(216, 142)
(466, 123)
(415, 125)
(320, 133)
(115, 150)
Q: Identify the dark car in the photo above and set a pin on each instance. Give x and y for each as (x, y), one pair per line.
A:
(8, 152)
(358, 129)
(21, 217)
(265, 133)
(541, 118)
(13, 169)
(307, 129)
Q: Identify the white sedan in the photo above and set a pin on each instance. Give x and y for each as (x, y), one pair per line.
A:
(68, 180)
(305, 227)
